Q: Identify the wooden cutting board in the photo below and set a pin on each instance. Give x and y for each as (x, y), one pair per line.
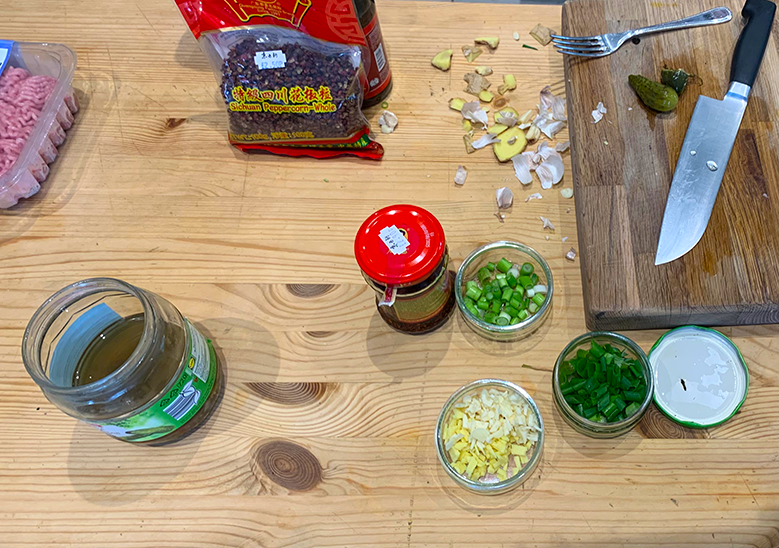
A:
(623, 166)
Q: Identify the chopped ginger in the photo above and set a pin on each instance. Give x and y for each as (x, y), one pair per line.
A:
(509, 83)
(484, 71)
(542, 34)
(486, 96)
(456, 104)
(512, 142)
(490, 41)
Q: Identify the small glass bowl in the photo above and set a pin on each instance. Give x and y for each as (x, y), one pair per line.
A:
(484, 488)
(586, 426)
(516, 253)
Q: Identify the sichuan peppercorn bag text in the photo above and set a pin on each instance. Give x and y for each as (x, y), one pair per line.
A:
(290, 72)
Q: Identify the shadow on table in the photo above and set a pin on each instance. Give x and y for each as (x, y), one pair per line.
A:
(404, 356)
(504, 348)
(110, 472)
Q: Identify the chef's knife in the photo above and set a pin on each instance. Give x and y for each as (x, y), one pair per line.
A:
(709, 140)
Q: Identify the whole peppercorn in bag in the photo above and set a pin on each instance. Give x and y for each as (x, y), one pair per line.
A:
(290, 73)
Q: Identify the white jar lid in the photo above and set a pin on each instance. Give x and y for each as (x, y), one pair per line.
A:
(701, 379)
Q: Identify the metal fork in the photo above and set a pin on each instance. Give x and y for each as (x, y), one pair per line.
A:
(606, 44)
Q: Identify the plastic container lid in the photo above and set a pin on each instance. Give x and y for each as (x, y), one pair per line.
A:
(701, 379)
(399, 245)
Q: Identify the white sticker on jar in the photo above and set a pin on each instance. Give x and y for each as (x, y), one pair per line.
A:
(394, 239)
(270, 59)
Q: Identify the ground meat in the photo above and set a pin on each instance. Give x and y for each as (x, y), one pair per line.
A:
(22, 99)
(315, 95)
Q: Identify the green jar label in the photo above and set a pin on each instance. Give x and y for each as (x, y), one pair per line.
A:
(179, 404)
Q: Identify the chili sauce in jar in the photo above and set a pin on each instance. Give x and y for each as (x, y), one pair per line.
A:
(403, 256)
(123, 360)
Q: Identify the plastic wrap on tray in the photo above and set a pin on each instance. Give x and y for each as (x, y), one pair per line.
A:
(37, 104)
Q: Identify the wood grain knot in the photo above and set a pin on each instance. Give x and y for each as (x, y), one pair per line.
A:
(289, 393)
(172, 123)
(655, 425)
(309, 291)
(319, 334)
(289, 465)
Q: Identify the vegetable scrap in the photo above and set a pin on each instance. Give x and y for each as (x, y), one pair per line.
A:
(500, 102)
(551, 113)
(602, 384)
(505, 293)
(484, 71)
(473, 112)
(491, 41)
(564, 239)
(523, 165)
(597, 114)
(550, 171)
(468, 144)
(455, 103)
(484, 140)
(388, 122)
(566, 192)
(385, 105)
(515, 36)
(547, 224)
(509, 83)
(471, 53)
(485, 96)
(476, 83)
(506, 116)
(534, 196)
(443, 60)
(491, 436)
(504, 197)
(562, 147)
(653, 94)
(529, 47)
(571, 255)
(459, 177)
(467, 126)
(542, 34)
(510, 143)
(500, 216)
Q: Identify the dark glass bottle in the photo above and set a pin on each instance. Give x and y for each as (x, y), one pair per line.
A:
(375, 55)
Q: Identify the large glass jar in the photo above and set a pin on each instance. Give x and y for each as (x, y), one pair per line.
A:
(122, 359)
(403, 256)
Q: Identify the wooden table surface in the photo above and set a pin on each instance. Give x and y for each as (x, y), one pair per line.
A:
(257, 251)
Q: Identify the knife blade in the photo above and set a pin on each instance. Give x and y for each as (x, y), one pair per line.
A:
(709, 141)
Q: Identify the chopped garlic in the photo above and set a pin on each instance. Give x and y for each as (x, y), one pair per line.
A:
(547, 223)
(540, 288)
(459, 177)
(490, 436)
(515, 36)
(566, 192)
(571, 255)
(504, 197)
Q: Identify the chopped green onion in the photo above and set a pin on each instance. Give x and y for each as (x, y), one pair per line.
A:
(513, 312)
(489, 317)
(631, 395)
(501, 321)
(483, 304)
(526, 270)
(495, 307)
(525, 282)
(503, 265)
(511, 279)
(515, 320)
(534, 278)
(539, 299)
(491, 267)
(473, 293)
(532, 308)
(508, 293)
(515, 302)
(523, 314)
(503, 283)
(632, 408)
(484, 274)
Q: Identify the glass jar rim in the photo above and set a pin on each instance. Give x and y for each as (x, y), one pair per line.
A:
(622, 339)
(51, 308)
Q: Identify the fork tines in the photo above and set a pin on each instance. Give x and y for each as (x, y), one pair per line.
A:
(583, 46)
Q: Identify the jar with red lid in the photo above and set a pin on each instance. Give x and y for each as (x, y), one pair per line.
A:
(403, 256)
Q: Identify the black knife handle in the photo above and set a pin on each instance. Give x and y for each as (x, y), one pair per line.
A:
(759, 15)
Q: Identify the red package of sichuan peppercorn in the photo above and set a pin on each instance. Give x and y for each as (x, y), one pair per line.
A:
(290, 72)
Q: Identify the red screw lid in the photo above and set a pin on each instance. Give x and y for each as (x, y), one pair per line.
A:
(399, 245)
